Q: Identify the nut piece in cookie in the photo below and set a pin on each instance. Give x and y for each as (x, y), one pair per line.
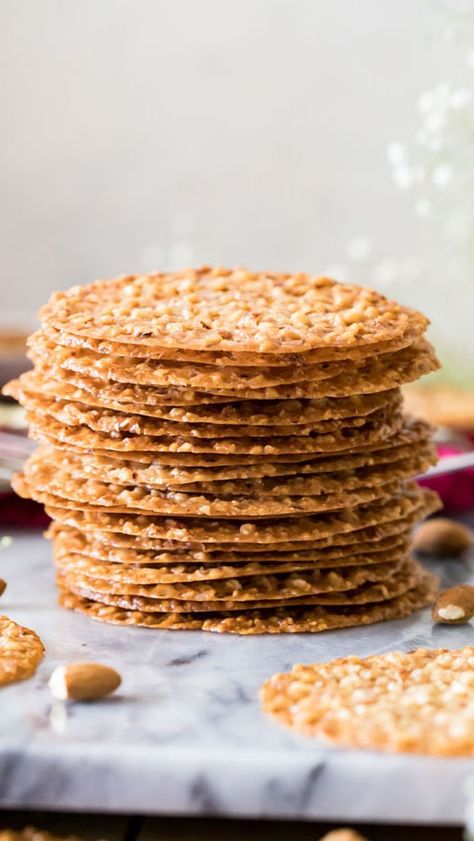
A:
(83, 682)
(455, 606)
(442, 537)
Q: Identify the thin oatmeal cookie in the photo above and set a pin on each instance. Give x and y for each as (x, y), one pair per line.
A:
(249, 412)
(174, 572)
(21, 651)
(376, 374)
(48, 484)
(416, 702)
(166, 373)
(108, 532)
(410, 433)
(222, 358)
(125, 472)
(373, 431)
(224, 531)
(303, 484)
(251, 587)
(370, 381)
(231, 310)
(278, 620)
(112, 422)
(120, 549)
(155, 474)
(399, 583)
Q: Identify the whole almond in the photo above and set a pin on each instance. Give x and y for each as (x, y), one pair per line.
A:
(442, 537)
(83, 682)
(3, 586)
(455, 606)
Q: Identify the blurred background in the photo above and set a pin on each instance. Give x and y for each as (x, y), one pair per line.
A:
(322, 135)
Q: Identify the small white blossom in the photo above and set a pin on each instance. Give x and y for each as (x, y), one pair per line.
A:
(396, 153)
(460, 98)
(442, 175)
(435, 121)
(435, 144)
(457, 226)
(359, 248)
(426, 102)
(422, 206)
(421, 138)
(403, 177)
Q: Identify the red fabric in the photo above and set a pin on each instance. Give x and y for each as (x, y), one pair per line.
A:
(455, 489)
(21, 513)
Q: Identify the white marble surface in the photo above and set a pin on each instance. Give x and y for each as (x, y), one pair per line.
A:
(185, 734)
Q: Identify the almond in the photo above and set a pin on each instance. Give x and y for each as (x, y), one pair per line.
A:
(3, 586)
(442, 537)
(83, 682)
(455, 606)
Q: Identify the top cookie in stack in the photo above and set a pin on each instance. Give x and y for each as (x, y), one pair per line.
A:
(226, 450)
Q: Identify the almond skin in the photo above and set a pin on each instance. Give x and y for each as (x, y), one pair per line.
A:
(83, 682)
(455, 606)
(442, 537)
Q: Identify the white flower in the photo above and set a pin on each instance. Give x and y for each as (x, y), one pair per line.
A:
(435, 144)
(359, 248)
(403, 177)
(442, 175)
(426, 102)
(460, 98)
(396, 153)
(421, 138)
(422, 206)
(457, 226)
(435, 121)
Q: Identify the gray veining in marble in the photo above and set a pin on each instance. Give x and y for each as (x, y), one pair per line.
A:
(185, 735)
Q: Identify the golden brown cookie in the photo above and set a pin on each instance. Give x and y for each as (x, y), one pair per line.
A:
(229, 358)
(120, 549)
(231, 310)
(248, 412)
(274, 621)
(224, 531)
(21, 651)
(415, 702)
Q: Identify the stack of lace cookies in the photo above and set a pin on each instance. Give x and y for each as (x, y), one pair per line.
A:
(227, 451)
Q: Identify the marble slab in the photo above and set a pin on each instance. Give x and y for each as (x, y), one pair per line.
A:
(185, 734)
